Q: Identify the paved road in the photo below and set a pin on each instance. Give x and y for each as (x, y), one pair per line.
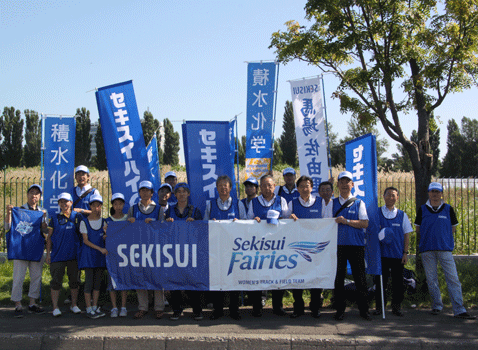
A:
(417, 330)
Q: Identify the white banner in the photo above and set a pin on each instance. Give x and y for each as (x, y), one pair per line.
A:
(310, 129)
(246, 255)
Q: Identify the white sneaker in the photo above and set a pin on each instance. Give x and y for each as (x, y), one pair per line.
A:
(123, 312)
(75, 309)
(114, 313)
(56, 313)
(99, 312)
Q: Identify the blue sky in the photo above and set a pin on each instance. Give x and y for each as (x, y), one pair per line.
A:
(186, 58)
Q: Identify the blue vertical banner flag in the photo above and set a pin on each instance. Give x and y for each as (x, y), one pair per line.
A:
(153, 159)
(309, 120)
(208, 154)
(361, 161)
(124, 143)
(59, 159)
(261, 90)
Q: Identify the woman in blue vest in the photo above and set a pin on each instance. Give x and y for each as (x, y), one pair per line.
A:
(83, 191)
(182, 210)
(289, 190)
(62, 252)
(224, 208)
(436, 223)
(92, 257)
(146, 210)
(306, 206)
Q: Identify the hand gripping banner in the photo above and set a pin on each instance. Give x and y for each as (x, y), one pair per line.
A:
(124, 143)
(361, 161)
(261, 86)
(222, 255)
(25, 240)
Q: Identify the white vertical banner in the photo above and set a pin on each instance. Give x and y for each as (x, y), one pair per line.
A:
(310, 129)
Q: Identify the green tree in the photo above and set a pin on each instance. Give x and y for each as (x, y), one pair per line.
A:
(277, 155)
(287, 140)
(150, 126)
(32, 148)
(375, 47)
(83, 137)
(12, 132)
(99, 161)
(171, 144)
(241, 152)
(469, 132)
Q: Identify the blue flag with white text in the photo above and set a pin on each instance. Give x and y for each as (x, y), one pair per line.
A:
(25, 240)
(153, 159)
(361, 161)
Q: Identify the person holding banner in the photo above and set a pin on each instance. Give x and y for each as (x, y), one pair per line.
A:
(146, 210)
(289, 190)
(182, 210)
(30, 242)
(436, 224)
(351, 215)
(250, 188)
(92, 255)
(394, 239)
(164, 193)
(116, 214)
(171, 178)
(62, 252)
(306, 207)
(268, 204)
(83, 191)
(224, 208)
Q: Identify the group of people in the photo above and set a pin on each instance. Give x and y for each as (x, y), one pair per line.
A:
(75, 241)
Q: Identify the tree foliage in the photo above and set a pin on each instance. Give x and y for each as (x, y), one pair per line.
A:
(375, 48)
(171, 144)
(287, 140)
(83, 137)
(99, 161)
(277, 154)
(32, 148)
(12, 132)
(150, 126)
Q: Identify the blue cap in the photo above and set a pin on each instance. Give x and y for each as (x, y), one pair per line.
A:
(346, 174)
(82, 168)
(435, 186)
(288, 171)
(252, 181)
(117, 195)
(386, 235)
(273, 217)
(66, 196)
(35, 186)
(168, 186)
(146, 184)
(96, 198)
(181, 184)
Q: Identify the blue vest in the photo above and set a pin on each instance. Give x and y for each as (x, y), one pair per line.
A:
(436, 230)
(312, 212)
(65, 240)
(261, 212)
(172, 212)
(89, 257)
(288, 196)
(348, 235)
(246, 206)
(139, 215)
(24, 239)
(229, 214)
(85, 202)
(396, 247)
(172, 199)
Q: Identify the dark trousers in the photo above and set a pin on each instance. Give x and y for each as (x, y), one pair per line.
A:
(218, 301)
(315, 295)
(194, 296)
(391, 267)
(355, 255)
(255, 298)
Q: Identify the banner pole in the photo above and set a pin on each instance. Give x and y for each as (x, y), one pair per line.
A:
(326, 123)
(237, 160)
(274, 113)
(381, 292)
(42, 150)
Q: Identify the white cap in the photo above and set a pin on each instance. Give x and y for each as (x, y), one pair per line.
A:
(288, 171)
(346, 174)
(273, 217)
(166, 185)
(66, 196)
(170, 173)
(435, 186)
(117, 196)
(146, 184)
(82, 168)
(96, 198)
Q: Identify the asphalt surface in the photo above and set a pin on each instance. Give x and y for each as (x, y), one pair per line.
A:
(418, 329)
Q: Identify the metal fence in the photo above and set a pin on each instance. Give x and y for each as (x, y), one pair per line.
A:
(461, 194)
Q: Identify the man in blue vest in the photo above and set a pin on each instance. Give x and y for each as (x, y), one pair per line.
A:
(289, 190)
(351, 215)
(250, 188)
(172, 179)
(436, 224)
(394, 238)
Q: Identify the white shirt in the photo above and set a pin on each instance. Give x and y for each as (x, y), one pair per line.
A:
(327, 209)
(362, 209)
(391, 214)
(224, 205)
(283, 203)
(81, 190)
(95, 225)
